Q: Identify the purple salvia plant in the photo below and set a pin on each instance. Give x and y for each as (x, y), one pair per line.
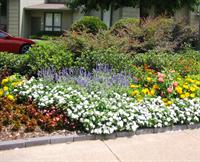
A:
(102, 74)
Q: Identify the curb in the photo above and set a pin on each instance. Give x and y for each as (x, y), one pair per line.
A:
(6, 145)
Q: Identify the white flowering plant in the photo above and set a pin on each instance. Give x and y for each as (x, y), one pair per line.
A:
(101, 113)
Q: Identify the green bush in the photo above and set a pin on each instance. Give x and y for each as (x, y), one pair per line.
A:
(127, 26)
(160, 34)
(49, 54)
(186, 62)
(111, 56)
(89, 23)
(15, 63)
(159, 25)
(169, 35)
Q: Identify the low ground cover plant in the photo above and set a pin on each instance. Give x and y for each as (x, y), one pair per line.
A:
(104, 114)
(28, 117)
(163, 100)
(169, 85)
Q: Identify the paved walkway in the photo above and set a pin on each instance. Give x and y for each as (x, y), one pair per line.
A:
(180, 146)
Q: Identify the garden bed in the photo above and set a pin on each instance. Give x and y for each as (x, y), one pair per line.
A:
(100, 83)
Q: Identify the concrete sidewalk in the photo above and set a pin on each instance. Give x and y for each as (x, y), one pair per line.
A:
(180, 146)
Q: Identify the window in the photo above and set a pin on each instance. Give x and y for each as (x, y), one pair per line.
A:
(53, 21)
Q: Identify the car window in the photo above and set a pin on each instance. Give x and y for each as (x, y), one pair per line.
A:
(2, 35)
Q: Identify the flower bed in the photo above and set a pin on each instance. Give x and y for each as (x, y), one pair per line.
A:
(102, 114)
(103, 101)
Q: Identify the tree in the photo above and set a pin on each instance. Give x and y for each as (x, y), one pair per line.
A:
(161, 6)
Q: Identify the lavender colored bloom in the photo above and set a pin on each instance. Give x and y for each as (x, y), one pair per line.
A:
(101, 75)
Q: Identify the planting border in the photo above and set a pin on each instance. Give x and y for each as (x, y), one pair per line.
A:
(13, 144)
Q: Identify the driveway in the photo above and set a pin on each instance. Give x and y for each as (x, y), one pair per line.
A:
(179, 146)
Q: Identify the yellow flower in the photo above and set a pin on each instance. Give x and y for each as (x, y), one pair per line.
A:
(192, 95)
(182, 96)
(145, 91)
(187, 94)
(135, 93)
(179, 90)
(4, 81)
(191, 80)
(149, 79)
(156, 87)
(192, 89)
(10, 97)
(165, 99)
(152, 92)
(19, 83)
(1, 92)
(5, 88)
(14, 84)
(139, 98)
(185, 86)
(169, 103)
(134, 86)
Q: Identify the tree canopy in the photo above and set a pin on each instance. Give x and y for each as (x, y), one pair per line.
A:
(161, 6)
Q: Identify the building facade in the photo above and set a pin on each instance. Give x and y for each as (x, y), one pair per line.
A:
(29, 17)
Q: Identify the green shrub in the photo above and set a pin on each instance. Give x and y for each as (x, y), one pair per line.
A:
(160, 34)
(185, 63)
(159, 25)
(127, 26)
(49, 54)
(89, 23)
(15, 63)
(111, 56)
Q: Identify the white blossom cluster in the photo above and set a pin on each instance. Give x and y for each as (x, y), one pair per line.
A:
(100, 114)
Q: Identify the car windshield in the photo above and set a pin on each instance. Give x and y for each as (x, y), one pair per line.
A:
(2, 35)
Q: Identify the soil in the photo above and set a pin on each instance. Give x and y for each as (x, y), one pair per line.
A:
(7, 134)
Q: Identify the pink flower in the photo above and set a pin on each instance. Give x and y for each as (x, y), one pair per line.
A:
(170, 90)
(161, 80)
(175, 84)
(160, 75)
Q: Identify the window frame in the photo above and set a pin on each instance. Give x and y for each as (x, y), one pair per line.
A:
(53, 22)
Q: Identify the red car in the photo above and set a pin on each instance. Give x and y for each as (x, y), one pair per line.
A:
(12, 44)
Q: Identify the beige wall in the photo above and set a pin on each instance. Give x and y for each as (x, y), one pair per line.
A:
(190, 17)
(77, 15)
(130, 12)
(95, 13)
(13, 17)
(24, 15)
(67, 19)
(125, 12)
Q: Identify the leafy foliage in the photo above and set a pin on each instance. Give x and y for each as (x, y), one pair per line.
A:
(49, 54)
(89, 23)
(27, 116)
(13, 62)
(168, 6)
